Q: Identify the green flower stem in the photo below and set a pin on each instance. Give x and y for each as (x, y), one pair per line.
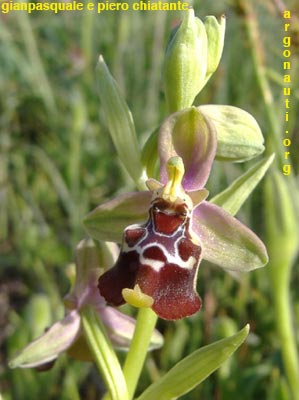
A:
(104, 355)
(284, 323)
(146, 322)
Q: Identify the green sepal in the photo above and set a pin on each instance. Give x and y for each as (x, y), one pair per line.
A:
(239, 135)
(195, 368)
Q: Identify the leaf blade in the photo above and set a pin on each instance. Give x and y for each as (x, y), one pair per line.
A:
(120, 123)
(193, 369)
(234, 196)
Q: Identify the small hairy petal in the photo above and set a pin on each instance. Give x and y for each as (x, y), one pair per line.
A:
(226, 241)
(108, 220)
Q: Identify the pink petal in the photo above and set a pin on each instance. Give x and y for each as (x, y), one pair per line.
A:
(226, 241)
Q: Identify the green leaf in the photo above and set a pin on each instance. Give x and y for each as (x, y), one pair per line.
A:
(233, 197)
(104, 355)
(195, 368)
(120, 123)
(239, 135)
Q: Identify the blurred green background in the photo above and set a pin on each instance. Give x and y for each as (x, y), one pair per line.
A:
(57, 162)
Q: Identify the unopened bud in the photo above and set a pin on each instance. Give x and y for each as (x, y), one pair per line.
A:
(192, 55)
(185, 64)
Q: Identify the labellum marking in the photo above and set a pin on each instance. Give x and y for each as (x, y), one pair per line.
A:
(161, 256)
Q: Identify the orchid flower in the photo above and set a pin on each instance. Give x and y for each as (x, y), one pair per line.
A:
(66, 334)
(158, 263)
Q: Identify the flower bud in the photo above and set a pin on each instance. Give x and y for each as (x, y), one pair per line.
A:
(192, 55)
(185, 64)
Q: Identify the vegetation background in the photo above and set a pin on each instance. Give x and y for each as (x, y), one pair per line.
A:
(57, 162)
